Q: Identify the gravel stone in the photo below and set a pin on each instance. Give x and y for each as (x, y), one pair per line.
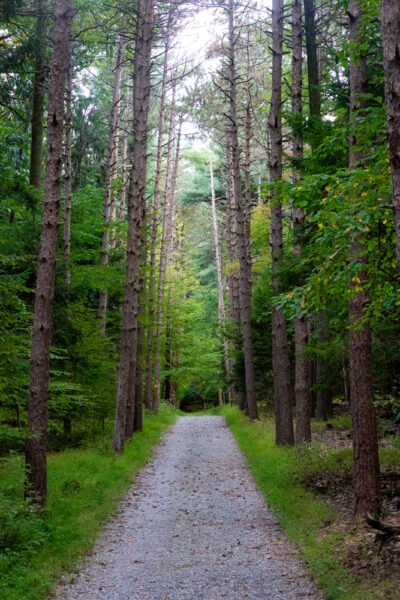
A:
(193, 526)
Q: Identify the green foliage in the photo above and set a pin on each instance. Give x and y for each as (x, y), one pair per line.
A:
(314, 461)
(83, 365)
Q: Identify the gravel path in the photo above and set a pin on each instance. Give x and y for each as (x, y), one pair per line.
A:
(193, 527)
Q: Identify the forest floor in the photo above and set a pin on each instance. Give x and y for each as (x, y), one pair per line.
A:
(194, 526)
(363, 557)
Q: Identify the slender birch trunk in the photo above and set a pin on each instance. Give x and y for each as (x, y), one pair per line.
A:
(35, 447)
(390, 20)
(244, 271)
(302, 365)
(111, 174)
(280, 354)
(68, 179)
(259, 184)
(154, 233)
(365, 439)
(136, 204)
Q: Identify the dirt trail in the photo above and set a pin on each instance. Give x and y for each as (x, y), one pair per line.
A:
(193, 527)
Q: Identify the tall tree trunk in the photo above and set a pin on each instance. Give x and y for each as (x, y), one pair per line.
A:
(248, 134)
(154, 231)
(365, 441)
(312, 59)
(136, 203)
(324, 394)
(35, 449)
(172, 334)
(280, 354)
(68, 179)
(221, 303)
(302, 365)
(138, 420)
(134, 408)
(245, 267)
(124, 162)
(111, 173)
(165, 244)
(233, 276)
(39, 92)
(390, 19)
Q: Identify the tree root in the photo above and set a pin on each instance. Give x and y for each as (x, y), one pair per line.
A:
(385, 532)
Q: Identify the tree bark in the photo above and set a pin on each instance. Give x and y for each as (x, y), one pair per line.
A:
(221, 303)
(302, 365)
(165, 245)
(244, 267)
(233, 276)
(390, 20)
(154, 230)
(365, 441)
(39, 92)
(323, 394)
(68, 179)
(124, 164)
(111, 174)
(280, 355)
(138, 418)
(312, 59)
(35, 451)
(136, 203)
(248, 133)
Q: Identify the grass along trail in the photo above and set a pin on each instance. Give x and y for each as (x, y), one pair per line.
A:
(194, 526)
(85, 488)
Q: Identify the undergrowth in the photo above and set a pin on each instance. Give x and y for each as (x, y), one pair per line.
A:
(84, 487)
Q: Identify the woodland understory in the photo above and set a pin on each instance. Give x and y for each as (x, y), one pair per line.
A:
(200, 207)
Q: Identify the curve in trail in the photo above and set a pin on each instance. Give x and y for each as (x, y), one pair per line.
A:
(193, 527)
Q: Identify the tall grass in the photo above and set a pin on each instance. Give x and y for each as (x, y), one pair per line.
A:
(84, 487)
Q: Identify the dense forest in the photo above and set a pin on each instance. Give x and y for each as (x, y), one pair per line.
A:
(200, 206)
